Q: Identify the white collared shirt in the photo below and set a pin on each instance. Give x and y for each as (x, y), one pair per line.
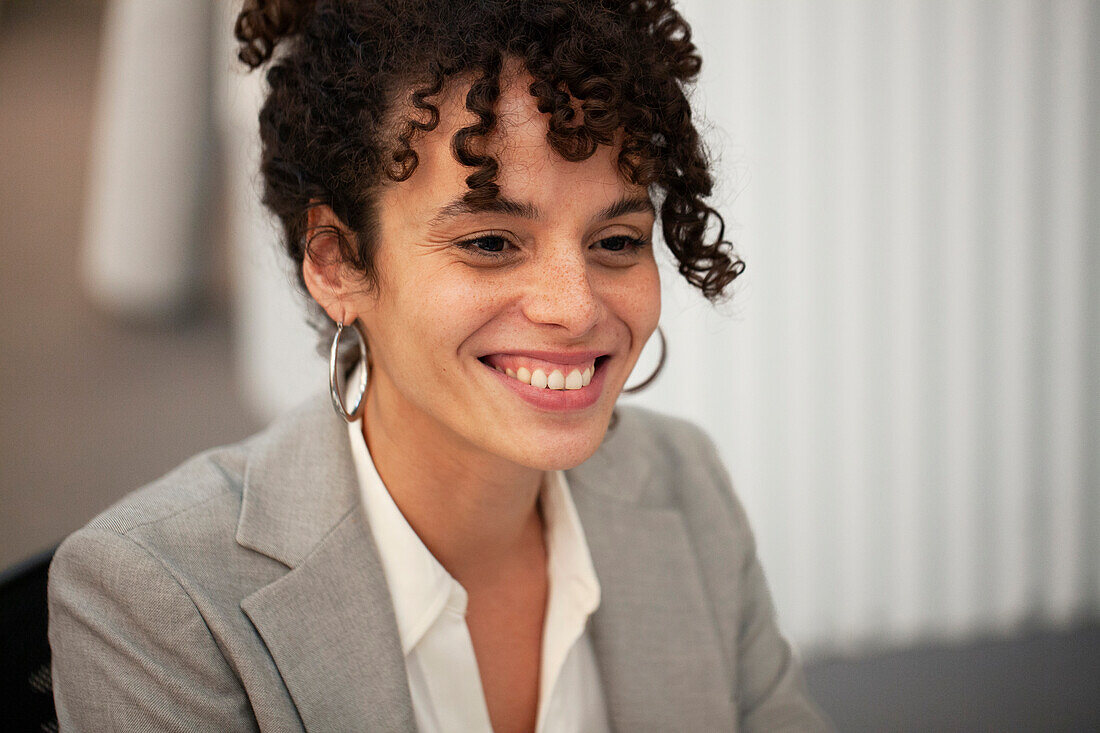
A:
(430, 606)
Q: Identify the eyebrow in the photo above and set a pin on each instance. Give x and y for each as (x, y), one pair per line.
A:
(527, 210)
(622, 207)
(498, 205)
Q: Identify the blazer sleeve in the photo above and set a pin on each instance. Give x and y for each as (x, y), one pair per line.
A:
(770, 686)
(130, 649)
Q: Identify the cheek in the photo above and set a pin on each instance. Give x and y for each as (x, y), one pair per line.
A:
(443, 313)
(638, 299)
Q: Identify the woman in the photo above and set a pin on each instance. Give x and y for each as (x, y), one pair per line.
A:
(475, 540)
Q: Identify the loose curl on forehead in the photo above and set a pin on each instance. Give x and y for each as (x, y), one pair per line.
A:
(356, 82)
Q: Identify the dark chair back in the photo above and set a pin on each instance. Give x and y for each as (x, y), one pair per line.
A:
(26, 692)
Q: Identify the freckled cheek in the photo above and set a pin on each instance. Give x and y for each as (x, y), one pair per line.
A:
(637, 300)
(448, 316)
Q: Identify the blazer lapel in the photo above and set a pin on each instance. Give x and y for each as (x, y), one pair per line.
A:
(329, 622)
(654, 634)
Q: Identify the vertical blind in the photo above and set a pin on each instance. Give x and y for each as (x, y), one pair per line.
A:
(906, 383)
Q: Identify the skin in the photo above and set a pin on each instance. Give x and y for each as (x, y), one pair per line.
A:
(463, 456)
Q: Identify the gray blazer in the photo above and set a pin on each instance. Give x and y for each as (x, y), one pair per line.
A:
(243, 591)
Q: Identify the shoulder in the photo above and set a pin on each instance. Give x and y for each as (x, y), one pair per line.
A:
(202, 496)
(677, 459)
(645, 430)
(662, 461)
(206, 489)
(685, 472)
(147, 596)
(141, 596)
(185, 522)
(169, 540)
(209, 478)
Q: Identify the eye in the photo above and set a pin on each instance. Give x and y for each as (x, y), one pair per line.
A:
(492, 246)
(495, 246)
(623, 244)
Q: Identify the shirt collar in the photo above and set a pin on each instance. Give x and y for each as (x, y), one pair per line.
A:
(421, 588)
(570, 563)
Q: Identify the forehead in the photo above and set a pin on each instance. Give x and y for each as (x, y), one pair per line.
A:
(529, 168)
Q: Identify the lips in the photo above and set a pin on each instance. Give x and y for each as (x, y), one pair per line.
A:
(554, 400)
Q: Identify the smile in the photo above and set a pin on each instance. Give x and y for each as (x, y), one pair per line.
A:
(543, 374)
(550, 386)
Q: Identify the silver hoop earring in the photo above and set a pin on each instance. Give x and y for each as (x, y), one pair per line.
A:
(333, 374)
(660, 364)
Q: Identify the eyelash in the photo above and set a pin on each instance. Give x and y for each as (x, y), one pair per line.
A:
(630, 245)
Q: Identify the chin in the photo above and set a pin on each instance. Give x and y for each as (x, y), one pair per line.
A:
(566, 452)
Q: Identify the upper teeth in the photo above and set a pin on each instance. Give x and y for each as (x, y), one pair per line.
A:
(576, 379)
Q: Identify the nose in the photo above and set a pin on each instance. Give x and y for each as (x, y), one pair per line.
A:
(559, 291)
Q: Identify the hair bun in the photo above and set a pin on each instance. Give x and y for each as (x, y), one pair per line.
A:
(261, 23)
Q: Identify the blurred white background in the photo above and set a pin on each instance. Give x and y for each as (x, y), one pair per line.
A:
(905, 386)
(908, 390)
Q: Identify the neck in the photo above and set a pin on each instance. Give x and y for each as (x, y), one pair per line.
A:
(474, 511)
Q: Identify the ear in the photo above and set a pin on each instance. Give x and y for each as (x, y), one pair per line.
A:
(329, 279)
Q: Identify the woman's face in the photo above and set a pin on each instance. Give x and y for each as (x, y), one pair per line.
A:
(548, 279)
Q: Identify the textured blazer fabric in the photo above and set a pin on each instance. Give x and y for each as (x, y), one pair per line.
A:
(243, 591)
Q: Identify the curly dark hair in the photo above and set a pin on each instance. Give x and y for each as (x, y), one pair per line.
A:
(352, 87)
